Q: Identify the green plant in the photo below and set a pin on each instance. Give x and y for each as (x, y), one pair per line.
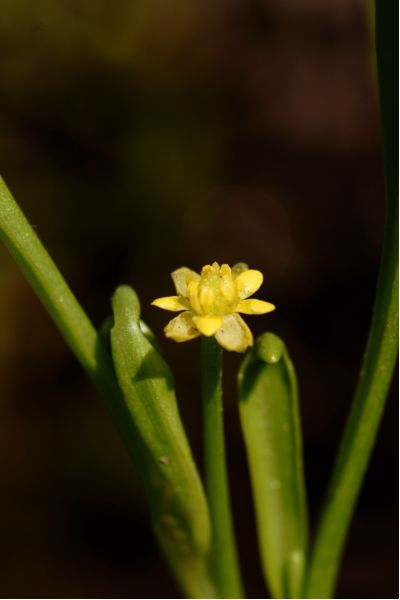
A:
(194, 527)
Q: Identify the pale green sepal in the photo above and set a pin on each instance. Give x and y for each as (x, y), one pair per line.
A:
(271, 429)
(178, 508)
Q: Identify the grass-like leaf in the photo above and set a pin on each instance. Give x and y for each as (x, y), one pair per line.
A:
(271, 428)
(178, 508)
(382, 347)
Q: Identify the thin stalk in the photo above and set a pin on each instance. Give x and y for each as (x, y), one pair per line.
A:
(225, 563)
(382, 347)
(54, 293)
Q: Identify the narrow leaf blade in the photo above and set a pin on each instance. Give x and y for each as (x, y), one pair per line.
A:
(178, 508)
(271, 429)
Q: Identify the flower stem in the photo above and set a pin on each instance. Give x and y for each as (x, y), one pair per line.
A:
(225, 565)
(381, 353)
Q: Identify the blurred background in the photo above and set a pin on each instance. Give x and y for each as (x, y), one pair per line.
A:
(142, 135)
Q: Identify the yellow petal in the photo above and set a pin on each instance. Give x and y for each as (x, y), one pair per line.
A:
(174, 303)
(226, 284)
(209, 268)
(208, 325)
(254, 307)
(207, 298)
(234, 334)
(248, 282)
(181, 328)
(193, 296)
(181, 278)
(225, 270)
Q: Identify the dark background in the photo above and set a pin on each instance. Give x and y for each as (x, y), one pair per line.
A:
(142, 135)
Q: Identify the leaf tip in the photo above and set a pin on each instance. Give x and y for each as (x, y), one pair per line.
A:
(270, 348)
(125, 297)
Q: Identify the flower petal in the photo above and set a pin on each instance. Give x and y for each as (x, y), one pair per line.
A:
(173, 303)
(181, 328)
(208, 325)
(226, 285)
(254, 307)
(248, 282)
(225, 271)
(181, 278)
(234, 334)
(193, 296)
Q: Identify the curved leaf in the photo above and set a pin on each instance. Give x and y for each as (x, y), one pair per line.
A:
(161, 451)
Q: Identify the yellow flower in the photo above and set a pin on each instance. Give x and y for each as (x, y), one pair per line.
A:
(211, 303)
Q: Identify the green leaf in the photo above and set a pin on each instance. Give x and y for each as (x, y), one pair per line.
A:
(177, 503)
(271, 428)
(380, 356)
(56, 296)
(178, 508)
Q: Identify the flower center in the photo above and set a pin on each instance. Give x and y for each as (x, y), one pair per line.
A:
(214, 293)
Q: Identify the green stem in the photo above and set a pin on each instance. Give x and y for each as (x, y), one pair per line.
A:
(224, 554)
(48, 283)
(381, 353)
